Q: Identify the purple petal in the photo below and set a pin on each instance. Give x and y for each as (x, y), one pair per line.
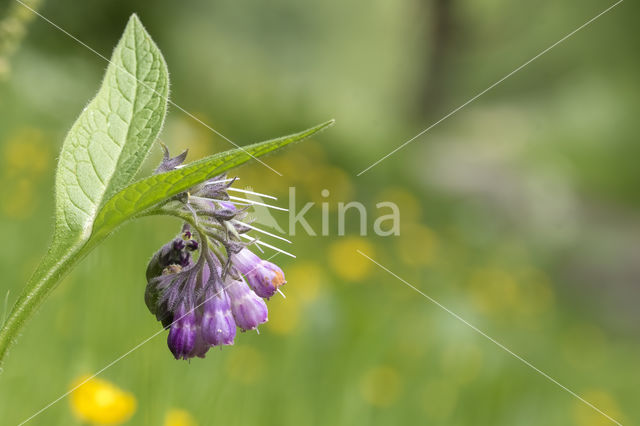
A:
(200, 347)
(263, 277)
(182, 336)
(218, 325)
(249, 310)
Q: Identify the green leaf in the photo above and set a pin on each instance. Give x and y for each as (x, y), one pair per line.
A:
(101, 155)
(141, 196)
(112, 136)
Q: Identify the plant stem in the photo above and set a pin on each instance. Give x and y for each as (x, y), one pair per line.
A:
(57, 263)
(48, 274)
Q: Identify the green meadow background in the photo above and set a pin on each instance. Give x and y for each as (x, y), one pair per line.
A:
(520, 212)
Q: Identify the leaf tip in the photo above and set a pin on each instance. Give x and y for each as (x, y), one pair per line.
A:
(325, 125)
(134, 23)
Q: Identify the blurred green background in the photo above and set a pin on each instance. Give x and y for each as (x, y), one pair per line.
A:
(520, 212)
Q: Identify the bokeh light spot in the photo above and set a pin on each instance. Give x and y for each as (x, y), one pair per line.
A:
(587, 416)
(283, 315)
(417, 245)
(380, 386)
(178, 417)
(101, 402)
(346, 262)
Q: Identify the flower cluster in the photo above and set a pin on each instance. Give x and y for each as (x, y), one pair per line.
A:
(203, 300)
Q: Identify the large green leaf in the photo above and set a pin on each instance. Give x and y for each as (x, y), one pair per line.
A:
(100, 156)
(147, 193)
(112, 136)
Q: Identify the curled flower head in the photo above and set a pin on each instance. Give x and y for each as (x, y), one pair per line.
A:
(206, 281)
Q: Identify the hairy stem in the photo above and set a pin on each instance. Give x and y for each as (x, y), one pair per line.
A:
(55, 265)
(47, 275)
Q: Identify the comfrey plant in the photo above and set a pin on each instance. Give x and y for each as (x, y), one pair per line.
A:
(205, 282)
(203, 301)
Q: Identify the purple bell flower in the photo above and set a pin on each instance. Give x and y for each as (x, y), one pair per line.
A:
(183, 333)
(218, 325)
(200, 346)
(202, 297)
(263, 277)
(249, 310)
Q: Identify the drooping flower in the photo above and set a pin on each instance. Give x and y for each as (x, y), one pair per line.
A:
(183, 332)
(206, 281)
(249, 309)
(218, 325)
(263, 276)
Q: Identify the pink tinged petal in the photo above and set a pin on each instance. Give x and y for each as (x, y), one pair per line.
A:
(245, 261)
(218, 325)
(264, 277)
(201, 346)
(249, 310)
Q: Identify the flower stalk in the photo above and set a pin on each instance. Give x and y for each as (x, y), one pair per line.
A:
(45, 278)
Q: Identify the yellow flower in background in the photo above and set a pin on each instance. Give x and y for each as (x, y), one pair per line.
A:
(305, 281)
(189, 134)
(336, 181)
(417, 245)
(301, 163)
(587, 416)
(100, 402)
(380, 386)
(493, 290)
(283, 315)
(523, 293)
(177, 417)
(26, 153)
(25, 158)
(296, 164)
(346, 262)
(408, 204)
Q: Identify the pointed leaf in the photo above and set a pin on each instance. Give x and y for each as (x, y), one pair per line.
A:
(147, 193)
(112, 136)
